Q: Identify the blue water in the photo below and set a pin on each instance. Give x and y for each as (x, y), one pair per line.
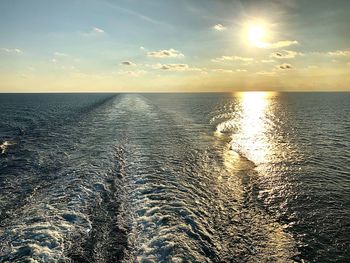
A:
(217, 177)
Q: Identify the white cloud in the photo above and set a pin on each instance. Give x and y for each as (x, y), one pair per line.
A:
(279, 44)
(98, 30)
(11, 50)
(232, 58)
(166, 53)
(175, 67)
(220, 70)
(267, 61)
(285, 54)
(143, 48)
(334, 54)
(339, 53)
(266, 73)
(312, 67)
(284, 43)
(219, 27)
(132, 73)
(69, 67)
(59, 54)
(127, 63)
(95, 31)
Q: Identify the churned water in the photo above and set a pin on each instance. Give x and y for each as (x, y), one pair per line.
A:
(243, 177)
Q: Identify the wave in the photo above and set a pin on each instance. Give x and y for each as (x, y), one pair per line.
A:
(132, 182)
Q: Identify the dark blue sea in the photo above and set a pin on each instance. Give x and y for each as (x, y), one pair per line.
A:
(214, 177)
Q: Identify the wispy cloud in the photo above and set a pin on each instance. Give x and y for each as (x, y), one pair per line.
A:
(132, 73)
(59, 54)
(221, 70)
(284, 43)
(266, 73)
(98, 30)
(219, 27)
(312, 67)
(95, 31)
(114, 5)
(11, 50)
(339, 53)
(166, 53)
(267, 61)
(175, 67)
(127, 63)
(232, 58)
(284, 54)
(279, 44)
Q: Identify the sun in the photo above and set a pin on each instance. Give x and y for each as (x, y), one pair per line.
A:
(256, 34)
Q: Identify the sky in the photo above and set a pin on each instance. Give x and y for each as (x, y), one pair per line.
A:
(174, 46)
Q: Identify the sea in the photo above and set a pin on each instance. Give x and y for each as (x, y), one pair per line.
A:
(180, 177)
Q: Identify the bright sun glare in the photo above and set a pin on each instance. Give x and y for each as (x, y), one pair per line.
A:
(256, 34)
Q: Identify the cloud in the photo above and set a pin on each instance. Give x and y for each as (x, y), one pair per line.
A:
(11, 50)
(166, 53)
(95, 31)
(332, 54)
(115, 5)
(266, 73)
(285, 66)
(132, 73)
(339, 53)
(267, 61)
(175, 67)
(59, 54)
(279, 44)
(284, 43)
(285, 54)
(64, 61)
(220, 70)
(232, 58)
(98, 30)
(219, 27)
(127, 63)
(312, 67)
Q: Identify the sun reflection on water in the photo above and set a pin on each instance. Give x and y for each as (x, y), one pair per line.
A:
(252, 138)
(249, 121)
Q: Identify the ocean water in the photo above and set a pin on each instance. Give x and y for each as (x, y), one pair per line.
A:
(242, 177)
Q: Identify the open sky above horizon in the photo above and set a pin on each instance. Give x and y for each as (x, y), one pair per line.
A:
(183, 45)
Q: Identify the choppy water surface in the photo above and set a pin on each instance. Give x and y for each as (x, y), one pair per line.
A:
(244, 177)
